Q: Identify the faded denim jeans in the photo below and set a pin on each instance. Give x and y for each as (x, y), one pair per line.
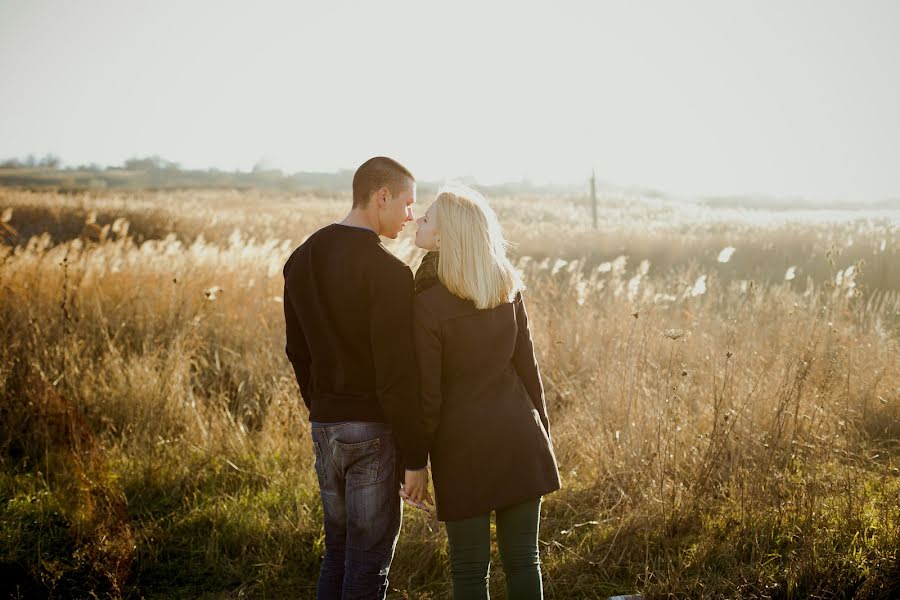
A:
(357, 467)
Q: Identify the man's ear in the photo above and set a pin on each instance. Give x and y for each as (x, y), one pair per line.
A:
(382, 195)
(377, 198)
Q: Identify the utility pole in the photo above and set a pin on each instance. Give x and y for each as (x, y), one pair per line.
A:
(594, 199)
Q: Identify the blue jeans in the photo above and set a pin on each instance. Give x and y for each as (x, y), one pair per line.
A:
(357, 467)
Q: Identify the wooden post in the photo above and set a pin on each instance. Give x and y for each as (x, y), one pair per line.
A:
(593, 200)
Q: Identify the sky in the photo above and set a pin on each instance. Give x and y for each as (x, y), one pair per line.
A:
(691, 98)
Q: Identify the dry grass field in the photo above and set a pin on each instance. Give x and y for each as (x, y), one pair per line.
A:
(727, 422)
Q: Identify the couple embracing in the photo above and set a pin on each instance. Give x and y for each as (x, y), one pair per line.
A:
(397, 369)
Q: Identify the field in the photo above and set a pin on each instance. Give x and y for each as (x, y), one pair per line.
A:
(723, 389)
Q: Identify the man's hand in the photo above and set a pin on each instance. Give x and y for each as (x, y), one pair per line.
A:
(415, 487)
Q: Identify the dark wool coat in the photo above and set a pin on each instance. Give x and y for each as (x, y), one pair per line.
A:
(485, 418)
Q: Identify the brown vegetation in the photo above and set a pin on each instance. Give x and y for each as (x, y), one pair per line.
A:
(722, 431)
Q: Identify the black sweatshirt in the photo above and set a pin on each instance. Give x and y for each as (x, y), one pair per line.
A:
(348, 314)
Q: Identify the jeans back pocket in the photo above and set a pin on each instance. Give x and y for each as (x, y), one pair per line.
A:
(360, 460)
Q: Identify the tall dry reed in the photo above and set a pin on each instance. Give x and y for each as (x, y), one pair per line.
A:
(718, 435)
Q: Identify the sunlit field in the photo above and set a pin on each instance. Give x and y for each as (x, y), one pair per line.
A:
(723, 389)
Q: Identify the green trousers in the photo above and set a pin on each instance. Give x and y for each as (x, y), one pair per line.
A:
(517, 540)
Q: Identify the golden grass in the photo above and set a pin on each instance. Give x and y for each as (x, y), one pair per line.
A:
(721, 431)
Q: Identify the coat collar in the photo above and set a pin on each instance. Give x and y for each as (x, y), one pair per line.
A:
(426, 275)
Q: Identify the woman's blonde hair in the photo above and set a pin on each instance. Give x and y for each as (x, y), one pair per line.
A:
(472, 263)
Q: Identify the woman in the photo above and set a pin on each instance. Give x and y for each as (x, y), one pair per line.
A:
(483, 400)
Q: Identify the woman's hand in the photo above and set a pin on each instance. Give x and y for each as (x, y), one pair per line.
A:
(415, 488)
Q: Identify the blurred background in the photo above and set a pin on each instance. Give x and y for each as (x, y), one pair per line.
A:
(703, 199)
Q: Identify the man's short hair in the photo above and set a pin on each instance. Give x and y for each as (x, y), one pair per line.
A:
(377, 173)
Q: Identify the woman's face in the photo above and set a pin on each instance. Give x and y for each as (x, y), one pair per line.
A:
(427, 233)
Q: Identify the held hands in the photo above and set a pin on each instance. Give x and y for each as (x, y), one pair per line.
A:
(415, 490)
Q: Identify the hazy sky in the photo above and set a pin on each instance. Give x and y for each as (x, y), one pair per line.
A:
(789, 98)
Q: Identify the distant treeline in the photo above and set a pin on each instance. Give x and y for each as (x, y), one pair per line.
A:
(155, 172)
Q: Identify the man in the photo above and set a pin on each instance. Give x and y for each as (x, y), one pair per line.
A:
(348, 312)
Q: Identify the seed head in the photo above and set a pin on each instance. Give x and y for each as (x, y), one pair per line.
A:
(213, 292)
